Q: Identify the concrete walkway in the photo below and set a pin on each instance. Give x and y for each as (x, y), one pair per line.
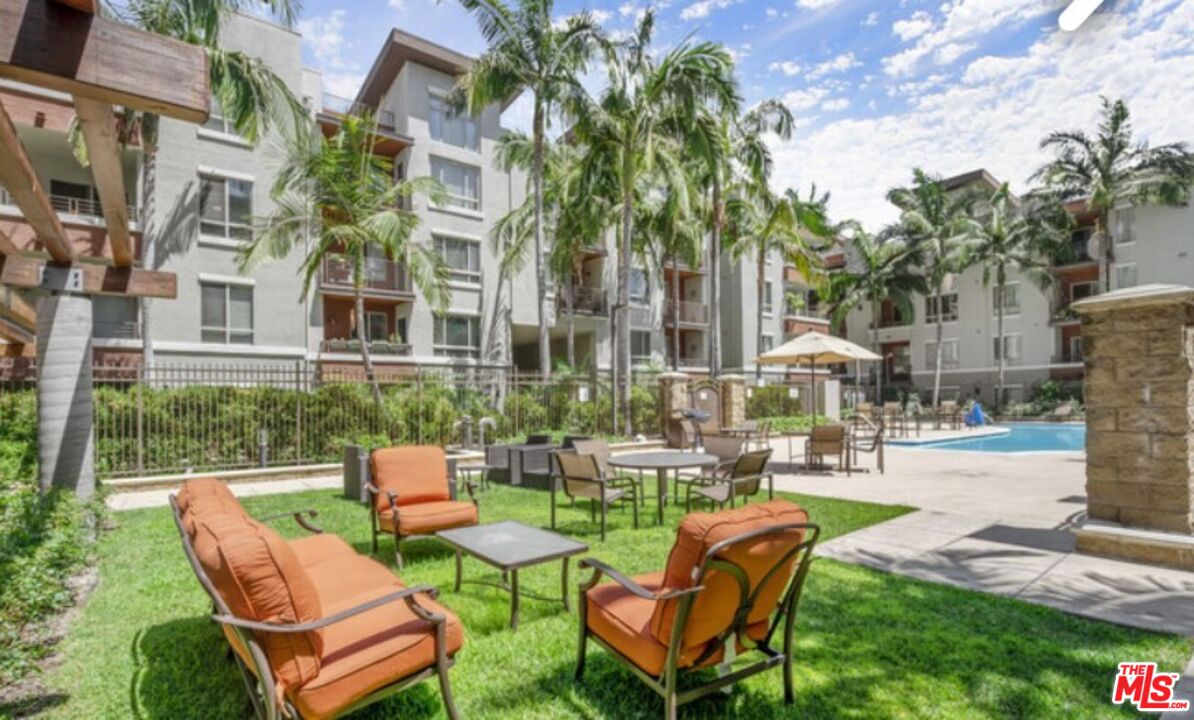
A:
(998, 523)
(161, 498)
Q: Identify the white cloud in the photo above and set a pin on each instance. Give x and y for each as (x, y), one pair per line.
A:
(324, 37)
(815, 4)
(841, 63)
(772, 12)
(871, 20)
(698, 10)
(997, 114)
(913, 27)
(798, 100)
(628, 9)
(343, 84)
(962, 22)
(787, 67)
(835, 105)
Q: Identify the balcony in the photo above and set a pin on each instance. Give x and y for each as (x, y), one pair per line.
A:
(82, 218)
(336, 105)
(693, 362)
(380, 348)
(585, 301)
(382, 278)
(691, 313)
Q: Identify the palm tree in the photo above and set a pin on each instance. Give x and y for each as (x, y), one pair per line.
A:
(1112, 170)
(880, 271)
(1008, 242)
(794, 227)
(629, 131)
(344, 191)
(527, 52)
(673, 225)
(935, 224)
(250, 96)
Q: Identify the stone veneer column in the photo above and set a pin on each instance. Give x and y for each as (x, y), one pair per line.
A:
(673, 397)
(733, 400)
(1139, 350)
(64, 415)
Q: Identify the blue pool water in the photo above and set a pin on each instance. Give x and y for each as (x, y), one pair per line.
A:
(1024, 437)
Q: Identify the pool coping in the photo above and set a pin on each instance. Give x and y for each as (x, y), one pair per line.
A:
(961, 435)
(940, 444)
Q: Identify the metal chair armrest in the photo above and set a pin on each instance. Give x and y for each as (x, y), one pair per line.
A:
(374, 490)
(407, 595)
(304, 523)
(601, 569)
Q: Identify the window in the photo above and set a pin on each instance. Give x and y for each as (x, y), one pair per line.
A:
(1011, 344)
(949, 355)
(768, 343)
(1010, 298)
(225, 207)
(74, 198)
(639, 287)
(1125, 223)
(1125, 275)
(458, 336)
(463, 257)
(768, 299)
(461, 182)
(1075, 350)
(1083, 290)
(452, 127)
(226, 314)
(946, 304)
(216, 122)
(376, 326)
(640, 346)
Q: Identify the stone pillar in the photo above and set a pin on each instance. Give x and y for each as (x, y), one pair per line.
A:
(64, 414)
(1139, 350)
(673, 397)
(733, 400)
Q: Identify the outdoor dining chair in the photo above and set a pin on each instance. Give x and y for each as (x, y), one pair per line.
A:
(580, 477)
(828, 441)
(744, 480)
(865, 439)
(731, 587)
(726, 448)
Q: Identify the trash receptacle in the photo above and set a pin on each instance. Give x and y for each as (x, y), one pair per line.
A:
(356, 472)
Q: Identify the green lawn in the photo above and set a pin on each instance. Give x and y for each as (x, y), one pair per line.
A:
(869, 644)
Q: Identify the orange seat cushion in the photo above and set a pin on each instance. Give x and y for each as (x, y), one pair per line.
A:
(623, 620)
(366, 652)
(415, 473)
(320, 548)
(260, 578)
(713, 609)
(428, 518)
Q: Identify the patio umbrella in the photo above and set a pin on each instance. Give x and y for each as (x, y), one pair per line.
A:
(815, 349)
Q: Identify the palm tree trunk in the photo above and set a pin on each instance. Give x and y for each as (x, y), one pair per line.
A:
(362, 335)
(761, 282)
(675, 314)
(937, 368)
(1108, 250)
(571, 322)
(622, 376)
(540, 268)
(875, 310)
(715, 281)
(999, 332)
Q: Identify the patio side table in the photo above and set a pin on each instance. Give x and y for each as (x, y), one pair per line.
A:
(510, 546)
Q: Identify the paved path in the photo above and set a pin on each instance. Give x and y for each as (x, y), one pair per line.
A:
(161, 498)
(999, 523)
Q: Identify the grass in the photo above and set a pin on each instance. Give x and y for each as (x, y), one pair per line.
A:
(869, 644)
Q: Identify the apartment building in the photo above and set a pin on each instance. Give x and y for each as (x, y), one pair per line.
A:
(1042, 337)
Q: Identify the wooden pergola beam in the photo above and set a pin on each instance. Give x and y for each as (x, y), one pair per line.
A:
(15, 308)
(98, 123)
(6, 245)
(91, 7)
(18, 176)
(56, 46)
(86, 278)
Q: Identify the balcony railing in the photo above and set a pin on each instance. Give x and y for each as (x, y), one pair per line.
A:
(585, 301)
(691, 313)
(377, 347)
(380, 275)
(83, 207)
(343, 106)
(693, 362)
(117, 330)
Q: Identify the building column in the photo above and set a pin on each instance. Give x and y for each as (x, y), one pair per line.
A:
(673, 398)
(1139, 350)
(64, 412)
(733, 400)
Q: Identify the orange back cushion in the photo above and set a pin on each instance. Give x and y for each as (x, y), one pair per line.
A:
(713, 610)
(205, 496)
(417, 473)
(201, 487)
(260, 578)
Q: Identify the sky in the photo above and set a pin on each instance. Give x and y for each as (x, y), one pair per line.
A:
(877, 87)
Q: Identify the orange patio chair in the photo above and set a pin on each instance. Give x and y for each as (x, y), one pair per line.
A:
(731, 586)
(411, 495)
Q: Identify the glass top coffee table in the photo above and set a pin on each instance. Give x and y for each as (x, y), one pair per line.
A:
(510, 546)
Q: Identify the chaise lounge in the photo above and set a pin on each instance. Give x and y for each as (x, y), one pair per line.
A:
(318, 630)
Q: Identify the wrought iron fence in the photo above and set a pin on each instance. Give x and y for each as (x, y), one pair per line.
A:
(198, 418)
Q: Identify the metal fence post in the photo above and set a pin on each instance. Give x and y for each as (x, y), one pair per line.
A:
(298, 412)
(140, 383)
(262, 447)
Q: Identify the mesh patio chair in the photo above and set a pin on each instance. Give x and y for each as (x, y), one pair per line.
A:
(727, 448)
(731, 587)
(867, 440)
(828, 441)
(744, 480)
(580, 477)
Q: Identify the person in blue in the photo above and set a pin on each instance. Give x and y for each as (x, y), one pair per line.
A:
(975, 417)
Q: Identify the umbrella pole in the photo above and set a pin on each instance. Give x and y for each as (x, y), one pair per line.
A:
(812, 384)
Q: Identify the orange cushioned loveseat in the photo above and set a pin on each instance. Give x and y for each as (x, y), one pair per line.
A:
(318, 630)
(732, 581)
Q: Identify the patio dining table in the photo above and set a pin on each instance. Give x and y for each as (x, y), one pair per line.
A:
(663, 462)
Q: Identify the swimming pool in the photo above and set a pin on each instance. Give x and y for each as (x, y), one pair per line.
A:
(1024, 437)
